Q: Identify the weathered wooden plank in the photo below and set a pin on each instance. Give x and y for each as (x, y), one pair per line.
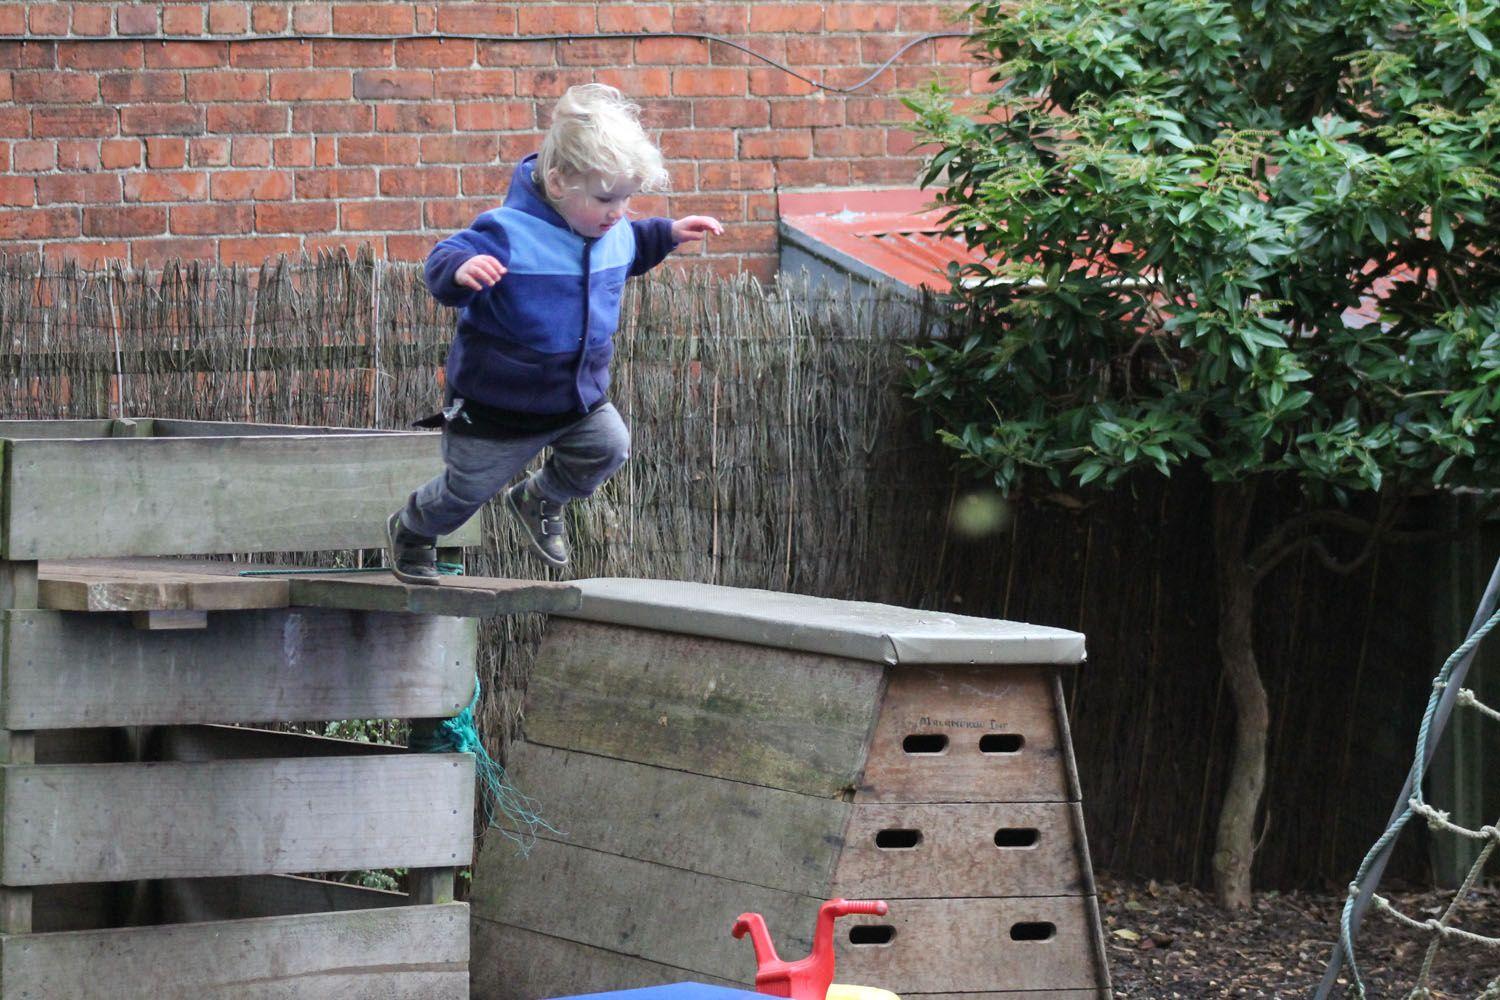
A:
(968, 946)
(121, 585)
(461, 596)
(170, 428)
(176, 496)
(109, 822)
(514, 964)
(95, 670)
(958, 850)
(35, 429)
(636, 908)
(797, 721)
(400, 953)
(765, 836)
(966, 734)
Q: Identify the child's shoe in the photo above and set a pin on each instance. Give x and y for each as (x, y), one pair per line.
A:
(412, 558)
(543, 521)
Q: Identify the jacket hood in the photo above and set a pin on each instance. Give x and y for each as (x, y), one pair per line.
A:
(523, 195)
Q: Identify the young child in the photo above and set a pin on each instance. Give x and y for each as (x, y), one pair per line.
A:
(538, 283)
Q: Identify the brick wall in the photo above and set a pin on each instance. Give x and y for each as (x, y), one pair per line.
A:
(249, 131)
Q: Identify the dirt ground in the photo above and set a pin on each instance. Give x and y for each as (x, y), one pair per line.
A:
(1168, 941)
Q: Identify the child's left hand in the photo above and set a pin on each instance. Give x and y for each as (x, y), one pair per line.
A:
(695, 227)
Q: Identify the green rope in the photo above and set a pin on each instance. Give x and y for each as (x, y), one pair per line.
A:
(500, 798)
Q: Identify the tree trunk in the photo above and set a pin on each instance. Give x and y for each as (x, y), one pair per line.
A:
(1234, 848)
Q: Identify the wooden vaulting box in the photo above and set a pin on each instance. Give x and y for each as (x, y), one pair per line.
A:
(146, 848)
(704, 751)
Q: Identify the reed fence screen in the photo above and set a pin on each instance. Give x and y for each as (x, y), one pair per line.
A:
(773, 448)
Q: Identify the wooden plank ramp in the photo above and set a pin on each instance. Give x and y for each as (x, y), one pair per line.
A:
(157, 585)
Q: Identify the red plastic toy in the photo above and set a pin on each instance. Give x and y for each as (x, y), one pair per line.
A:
(808, 978)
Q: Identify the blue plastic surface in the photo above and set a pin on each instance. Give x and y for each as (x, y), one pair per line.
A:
(671, 991)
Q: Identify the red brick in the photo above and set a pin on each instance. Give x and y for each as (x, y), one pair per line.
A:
(232, 118)
(435, 53)
(39, 223)
(137, 19)
(90, 255)
(141, 86)
(848, 142)
(476, 19)
(874, 50)
(271, 54)
(332, 118)
(824, 50)
(161, 119)
(78, 154)
(56, 87)
(18, 192)
(120, 154)
(331, 53)
(743, 237)
(7, 92)
(378, 149)
(325, 182)
(254, 251)
(380, 216)
(325, 151)
(459, 149)
(208, 152)
(419, 182)
(293, 152)
(312, 18)
(901, 142)
(736, 112)
(767, 145)
(666, 112)
(761, 208)
(28, 55)
(228, 18)
(495, 116)
(555, 19)
(549, 82)
(861, 17)
(13, 120)
(393, 84)
(775, 83)
(188, 19)
(226, 85)
(779, 17)
(48, 19)
(312, 85)
(100, 55)
(270, 18)
(735, 175)
(152, 255)
(622, 17)
(514, 146)
(671, 51)
(408, 247)
(708, 82)
(250, 185)
(295, 217)
(32, 156)
(13, 20)
(452, 84)
(124, 220)
(453, 213)
(875, 110)
(769, 46)
(595, 52)
(926, 17)
(724, 207)
(488, 182)
(414, 118)
(953, 50)
(884, 170)
(70, 123)
(166, 186)
(801, 112)
(166, 154)
(250, 151)
(90, 19)
(652, 81)
(373, 19)
(516, 53)
(711, 18)
(212, 220)
(697, 144)
(187, 55)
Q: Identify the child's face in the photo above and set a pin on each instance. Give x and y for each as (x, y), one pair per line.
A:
(589, 203)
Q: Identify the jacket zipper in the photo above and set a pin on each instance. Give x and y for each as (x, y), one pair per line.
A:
(583, 338)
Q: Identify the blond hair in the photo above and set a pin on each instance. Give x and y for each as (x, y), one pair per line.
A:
(596, 130)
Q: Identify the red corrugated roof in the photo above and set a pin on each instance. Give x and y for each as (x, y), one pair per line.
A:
(892, 230)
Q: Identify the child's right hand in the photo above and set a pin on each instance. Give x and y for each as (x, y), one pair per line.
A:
(479, 272)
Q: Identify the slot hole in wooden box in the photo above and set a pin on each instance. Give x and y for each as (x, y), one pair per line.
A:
(1016, 837)
(1033, 930)
(897, 839)
(925, 744)
(1001, 743)
(872, 934)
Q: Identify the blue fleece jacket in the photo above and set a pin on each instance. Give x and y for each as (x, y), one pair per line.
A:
(540, 340)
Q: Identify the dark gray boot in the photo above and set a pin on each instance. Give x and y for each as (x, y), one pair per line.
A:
(543, 521)
(412, 558)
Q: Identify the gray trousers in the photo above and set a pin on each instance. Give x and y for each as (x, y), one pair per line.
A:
(584, 455)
